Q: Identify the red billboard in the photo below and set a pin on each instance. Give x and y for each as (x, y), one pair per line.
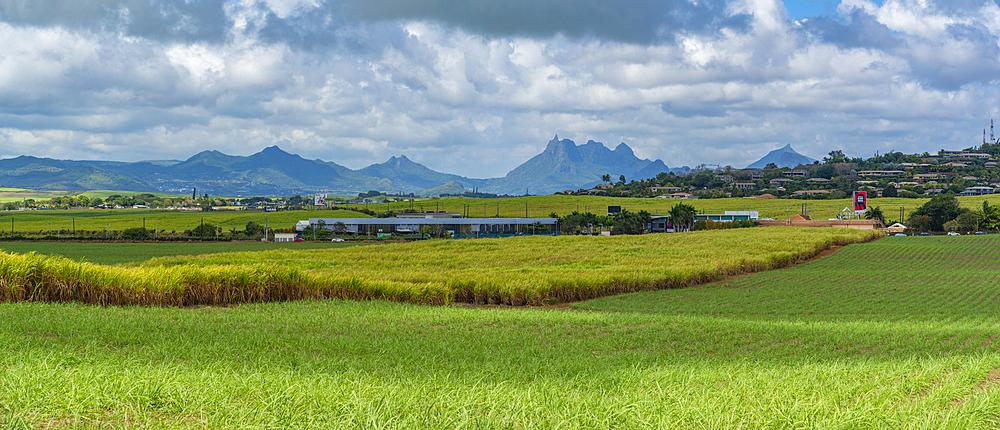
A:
(860, 202)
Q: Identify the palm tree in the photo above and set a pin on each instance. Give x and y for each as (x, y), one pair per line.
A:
(682, 215)
(876, 214)
(606, 178)
(990, 215)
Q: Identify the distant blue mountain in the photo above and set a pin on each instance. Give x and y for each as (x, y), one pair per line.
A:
(782, 157)
(563, 165)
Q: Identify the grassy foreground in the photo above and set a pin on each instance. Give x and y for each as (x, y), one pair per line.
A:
(833, 343)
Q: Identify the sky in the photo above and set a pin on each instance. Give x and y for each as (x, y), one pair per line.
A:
(477, 87)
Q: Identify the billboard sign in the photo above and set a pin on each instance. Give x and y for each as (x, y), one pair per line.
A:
(860, 202)
(614, 210)
(319, 200)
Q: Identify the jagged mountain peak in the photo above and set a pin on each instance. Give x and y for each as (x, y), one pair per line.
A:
(624, 149)
(782, 157)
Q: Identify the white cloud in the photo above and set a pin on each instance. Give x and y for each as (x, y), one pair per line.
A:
(451, 97)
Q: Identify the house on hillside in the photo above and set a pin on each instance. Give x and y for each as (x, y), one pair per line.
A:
(977, 191)
(811, 192)
(677, 196)
(880, 173)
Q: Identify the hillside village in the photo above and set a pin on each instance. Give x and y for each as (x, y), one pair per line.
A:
(968, 172)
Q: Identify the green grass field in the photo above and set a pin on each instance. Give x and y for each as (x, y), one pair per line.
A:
(43, 222)
(542, 206)
(896, 333)
(118, 253)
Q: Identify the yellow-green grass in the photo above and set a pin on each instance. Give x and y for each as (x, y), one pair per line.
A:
(542, 206)
(163, 220)
(898, 333)
(513, 271)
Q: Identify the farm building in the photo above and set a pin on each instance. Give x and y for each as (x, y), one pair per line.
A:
(415, 223)
(729, 216)
(659, 223)
(284, 237)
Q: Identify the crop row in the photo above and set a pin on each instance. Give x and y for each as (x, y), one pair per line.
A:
(893, 279)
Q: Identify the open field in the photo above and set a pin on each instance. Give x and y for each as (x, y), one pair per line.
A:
(118, 253)
(542, 206)
(35, 222)
(53, 221)
(524, 270)
(896, 333)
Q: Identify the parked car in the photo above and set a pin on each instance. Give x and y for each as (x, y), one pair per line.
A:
(900, 235)
(299, 239)
(980, 232)
(336, 239)
(925, 234)
(953, 233)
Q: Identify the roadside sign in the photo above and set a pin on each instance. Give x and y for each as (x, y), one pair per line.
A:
(319, 200)
(860, 202)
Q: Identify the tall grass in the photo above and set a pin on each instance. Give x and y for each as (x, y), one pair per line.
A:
(32, 277)
(514, 271)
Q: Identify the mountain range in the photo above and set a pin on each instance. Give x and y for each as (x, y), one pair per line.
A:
(563, 165)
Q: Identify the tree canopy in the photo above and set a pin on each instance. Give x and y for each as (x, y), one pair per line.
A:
(938, 210)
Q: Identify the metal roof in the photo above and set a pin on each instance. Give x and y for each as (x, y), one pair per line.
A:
(431, 221)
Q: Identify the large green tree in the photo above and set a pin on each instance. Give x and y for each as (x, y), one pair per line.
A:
(939, 210)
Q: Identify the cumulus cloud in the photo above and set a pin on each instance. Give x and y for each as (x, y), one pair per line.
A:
(450, 85)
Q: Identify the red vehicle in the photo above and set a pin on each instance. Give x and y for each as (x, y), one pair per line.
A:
(299, 239)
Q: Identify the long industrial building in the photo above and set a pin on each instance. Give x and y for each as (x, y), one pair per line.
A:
(445, 222)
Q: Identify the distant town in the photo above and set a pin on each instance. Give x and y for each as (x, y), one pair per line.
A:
(970, 172)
